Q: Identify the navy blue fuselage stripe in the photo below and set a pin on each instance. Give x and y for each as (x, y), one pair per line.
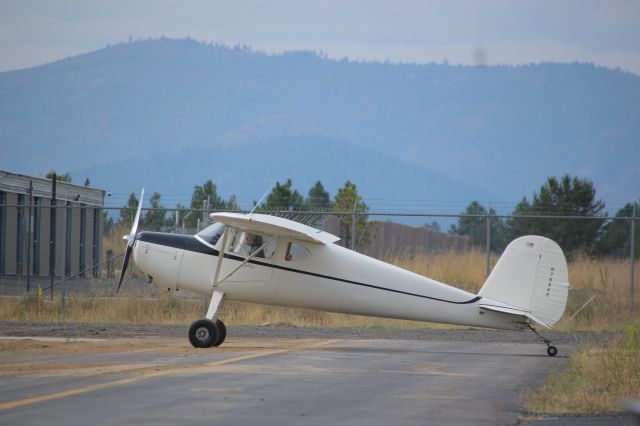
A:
(185, 242)
(190, 243)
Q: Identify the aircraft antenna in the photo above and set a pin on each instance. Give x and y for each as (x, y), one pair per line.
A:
(262, 198)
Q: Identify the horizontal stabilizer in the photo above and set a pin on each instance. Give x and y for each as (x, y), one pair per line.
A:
(513, 311)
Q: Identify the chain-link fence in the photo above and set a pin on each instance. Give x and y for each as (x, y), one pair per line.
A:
(75, 249)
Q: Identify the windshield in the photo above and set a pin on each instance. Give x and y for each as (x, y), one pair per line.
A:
(212, 233)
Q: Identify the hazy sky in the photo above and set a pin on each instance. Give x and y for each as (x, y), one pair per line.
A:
(466, 31)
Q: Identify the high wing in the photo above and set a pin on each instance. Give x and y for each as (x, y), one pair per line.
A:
(272, 225)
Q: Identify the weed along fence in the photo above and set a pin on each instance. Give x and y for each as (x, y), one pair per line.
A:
(61, 262)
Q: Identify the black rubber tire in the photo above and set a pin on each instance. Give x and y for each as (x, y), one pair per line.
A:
(203, 333)
(222, 333)
(552, 351)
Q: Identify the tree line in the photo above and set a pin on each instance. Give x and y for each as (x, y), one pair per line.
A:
(283, 197)
(564, 209)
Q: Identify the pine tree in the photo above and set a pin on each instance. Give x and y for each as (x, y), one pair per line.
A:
(155, 220)
(616, 238)
(283, 197)
(569, 196)
(473, 223)
(347, 200)
(318, 198)
(129, 212)
(206, 197)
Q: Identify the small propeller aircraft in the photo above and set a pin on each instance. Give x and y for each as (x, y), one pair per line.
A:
(270, 260)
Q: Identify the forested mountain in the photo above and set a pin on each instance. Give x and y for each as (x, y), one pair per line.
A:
(168, 114)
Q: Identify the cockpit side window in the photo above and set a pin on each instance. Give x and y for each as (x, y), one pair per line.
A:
(296, 251)
(247, 243)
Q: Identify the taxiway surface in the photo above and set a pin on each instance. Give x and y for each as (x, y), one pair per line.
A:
(266, 381)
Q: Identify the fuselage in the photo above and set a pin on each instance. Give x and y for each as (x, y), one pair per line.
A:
(329, 277)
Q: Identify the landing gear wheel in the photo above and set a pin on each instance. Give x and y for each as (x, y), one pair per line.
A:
(203, 333)
(551, 350)
(222, 333)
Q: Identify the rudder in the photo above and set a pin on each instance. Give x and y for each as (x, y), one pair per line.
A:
(531, 275)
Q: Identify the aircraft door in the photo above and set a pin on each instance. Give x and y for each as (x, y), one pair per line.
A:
(241, 245)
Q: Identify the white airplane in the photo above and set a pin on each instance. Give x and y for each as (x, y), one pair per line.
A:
(275, 261)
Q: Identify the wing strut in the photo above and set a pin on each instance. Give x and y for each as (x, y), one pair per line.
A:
(217, 282)
(221, 256)
(216, 297)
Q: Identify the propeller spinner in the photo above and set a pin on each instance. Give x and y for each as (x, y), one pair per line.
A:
(131, 238)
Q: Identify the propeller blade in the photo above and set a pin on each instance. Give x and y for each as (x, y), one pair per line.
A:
(127, 255)
(134, 228)
(131, 238)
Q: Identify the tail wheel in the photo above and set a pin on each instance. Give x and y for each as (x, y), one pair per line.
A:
(552, 351)
(222, 333)
(204, 333)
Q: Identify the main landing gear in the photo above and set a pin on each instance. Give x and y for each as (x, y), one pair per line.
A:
(551, 350)
(205, 333)
(209, 331)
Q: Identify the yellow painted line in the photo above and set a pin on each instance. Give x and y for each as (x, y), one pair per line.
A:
(145, 376)
(56, 395)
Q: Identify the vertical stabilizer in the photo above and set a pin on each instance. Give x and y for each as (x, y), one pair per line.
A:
(532, 276)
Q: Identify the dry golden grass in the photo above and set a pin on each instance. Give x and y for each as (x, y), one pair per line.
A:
(169, 309)
(607, 279)
(126, 307)
(594, 380)
(114, 241)
(464, 270)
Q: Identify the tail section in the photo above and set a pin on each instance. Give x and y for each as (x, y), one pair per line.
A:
(530, 279)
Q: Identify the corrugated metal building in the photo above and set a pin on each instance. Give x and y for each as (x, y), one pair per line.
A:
(78, 232)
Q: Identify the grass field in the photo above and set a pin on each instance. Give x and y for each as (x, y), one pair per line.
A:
(594, 380)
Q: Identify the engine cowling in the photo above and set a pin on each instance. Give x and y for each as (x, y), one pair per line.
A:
(157, 256)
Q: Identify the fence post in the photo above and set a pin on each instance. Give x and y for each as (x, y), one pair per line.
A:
(110, 264)
(205, 206)
(62, 295)
(632, 254)
(52, 234)
(488, 263)
(353, 223)
(353, 232)
(29, 219)
(63, 290)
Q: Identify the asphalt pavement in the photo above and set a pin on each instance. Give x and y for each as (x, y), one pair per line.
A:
(163, 381)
